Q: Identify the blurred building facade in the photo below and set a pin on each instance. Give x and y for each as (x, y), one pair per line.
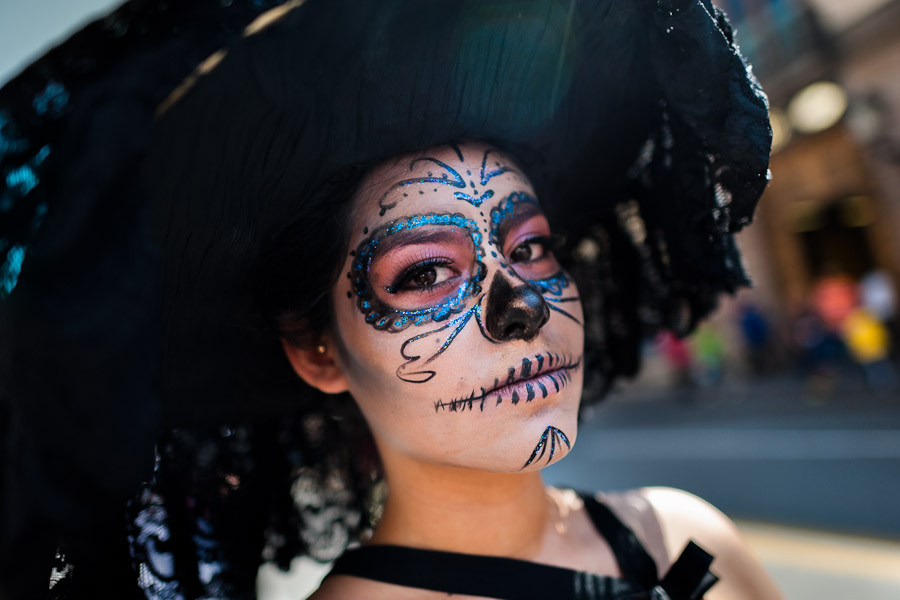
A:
(832, 72)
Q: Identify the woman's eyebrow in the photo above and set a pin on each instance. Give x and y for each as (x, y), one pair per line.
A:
(523, 211)
(423, 235)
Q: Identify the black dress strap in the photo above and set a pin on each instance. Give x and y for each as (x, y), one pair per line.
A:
(688, 577)
(634, 562)
(474, 575)
(513, 579)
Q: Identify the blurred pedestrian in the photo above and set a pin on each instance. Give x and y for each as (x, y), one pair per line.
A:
(677, 353)
(709, 355)
(833, 297)
(756, 333)
(878, 297)
(868, 342)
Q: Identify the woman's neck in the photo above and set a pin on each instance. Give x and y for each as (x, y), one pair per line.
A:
(460, 510)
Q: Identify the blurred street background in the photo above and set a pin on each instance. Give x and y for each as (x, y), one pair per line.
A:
(784, 409)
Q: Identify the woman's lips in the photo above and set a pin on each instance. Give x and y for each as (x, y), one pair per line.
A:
(535, 379)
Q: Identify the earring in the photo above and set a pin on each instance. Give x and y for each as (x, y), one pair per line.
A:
(320, 349)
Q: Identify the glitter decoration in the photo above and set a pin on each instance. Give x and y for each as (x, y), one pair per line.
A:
(382, 316)
(555, 437)
(504, 210)
(403, 371)
(554, 285)
(450, 177)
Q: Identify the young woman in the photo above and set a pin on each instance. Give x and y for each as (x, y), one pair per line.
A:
(460, 336)
(310, 295)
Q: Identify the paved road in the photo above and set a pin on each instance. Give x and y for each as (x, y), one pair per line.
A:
(814, 483)
(763, 451)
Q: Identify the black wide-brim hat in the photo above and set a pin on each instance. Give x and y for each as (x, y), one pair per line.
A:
(147, 163)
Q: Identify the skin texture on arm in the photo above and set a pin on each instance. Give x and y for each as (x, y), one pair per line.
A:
(666, 519)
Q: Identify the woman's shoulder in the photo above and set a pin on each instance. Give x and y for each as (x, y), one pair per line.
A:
(666, 519)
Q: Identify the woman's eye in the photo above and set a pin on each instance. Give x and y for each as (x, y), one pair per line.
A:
(423, 276)
(529, 251)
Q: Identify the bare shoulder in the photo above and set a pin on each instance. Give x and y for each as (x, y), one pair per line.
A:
(666, 519)
(343, 587)
(346, 588)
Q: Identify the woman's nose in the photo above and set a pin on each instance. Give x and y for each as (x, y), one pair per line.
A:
(515, 310)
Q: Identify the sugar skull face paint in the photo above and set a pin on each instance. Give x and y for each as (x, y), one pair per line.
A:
(446, 312)
(534, 379)
(519, 208)
(444, 174)
(552, 437)
(377, 302)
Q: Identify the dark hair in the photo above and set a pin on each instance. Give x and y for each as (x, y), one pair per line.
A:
(294, 274)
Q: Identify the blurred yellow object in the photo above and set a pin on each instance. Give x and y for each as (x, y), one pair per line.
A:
(866, 337)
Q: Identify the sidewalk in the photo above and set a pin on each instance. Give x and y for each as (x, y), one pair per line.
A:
(814, 565)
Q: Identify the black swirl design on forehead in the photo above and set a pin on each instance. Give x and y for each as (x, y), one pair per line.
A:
(385, 317)
(450, 177)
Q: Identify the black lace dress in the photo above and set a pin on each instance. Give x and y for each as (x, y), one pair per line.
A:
(512, 579)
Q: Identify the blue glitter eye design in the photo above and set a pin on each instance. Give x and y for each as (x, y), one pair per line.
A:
(551, 288)
(450, 177)
(503, 211)
(384, 317)
(556, 438)
(405, 371)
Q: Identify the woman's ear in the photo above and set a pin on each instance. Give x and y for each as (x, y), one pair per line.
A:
(316, 366)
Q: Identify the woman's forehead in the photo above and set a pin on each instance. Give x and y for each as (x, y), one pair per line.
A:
(468, 178)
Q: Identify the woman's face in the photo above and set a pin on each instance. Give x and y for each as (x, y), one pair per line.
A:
(458, 333)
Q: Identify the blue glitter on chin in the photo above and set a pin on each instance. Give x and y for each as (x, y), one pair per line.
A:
(384, 317)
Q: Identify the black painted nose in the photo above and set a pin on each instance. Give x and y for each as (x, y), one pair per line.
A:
(514, 312)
